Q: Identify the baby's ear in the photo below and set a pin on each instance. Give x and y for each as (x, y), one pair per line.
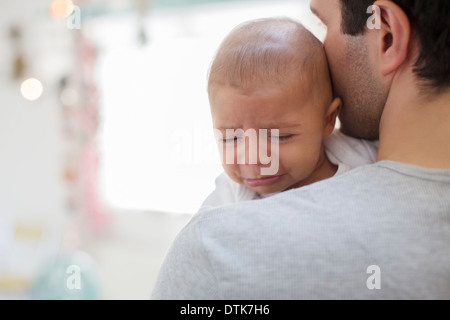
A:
(332, 114)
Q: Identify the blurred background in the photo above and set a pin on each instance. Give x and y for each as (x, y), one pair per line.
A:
(106, 144)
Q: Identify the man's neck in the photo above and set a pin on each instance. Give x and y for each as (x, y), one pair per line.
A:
(416, 129)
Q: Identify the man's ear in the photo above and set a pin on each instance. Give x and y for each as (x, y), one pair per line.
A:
(332, 114)
(394, 35)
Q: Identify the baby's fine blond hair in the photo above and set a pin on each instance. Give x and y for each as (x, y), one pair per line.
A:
(271, 51)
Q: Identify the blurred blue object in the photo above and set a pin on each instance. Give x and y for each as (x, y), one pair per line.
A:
(68, 276)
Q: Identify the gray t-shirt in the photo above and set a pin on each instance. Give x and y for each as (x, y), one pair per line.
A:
(380, 231)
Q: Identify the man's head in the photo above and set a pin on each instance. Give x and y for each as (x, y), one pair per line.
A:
(364, 62)
(273, 74)
(431, 24)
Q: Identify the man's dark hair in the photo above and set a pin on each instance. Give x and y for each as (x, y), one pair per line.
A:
(430, 19)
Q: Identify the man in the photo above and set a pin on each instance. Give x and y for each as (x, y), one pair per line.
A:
(378, 232)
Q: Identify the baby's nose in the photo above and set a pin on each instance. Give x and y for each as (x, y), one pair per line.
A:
(248, 155)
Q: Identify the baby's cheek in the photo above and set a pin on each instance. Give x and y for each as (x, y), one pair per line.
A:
(299, 156)
(233, 172)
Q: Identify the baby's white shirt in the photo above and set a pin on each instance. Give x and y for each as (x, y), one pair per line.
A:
(344, 151)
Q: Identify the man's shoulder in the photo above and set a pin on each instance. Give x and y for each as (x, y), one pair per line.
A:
(314, 240)
(363, 191)
(310, 200)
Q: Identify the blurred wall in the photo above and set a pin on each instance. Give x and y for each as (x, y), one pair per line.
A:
(32, 201)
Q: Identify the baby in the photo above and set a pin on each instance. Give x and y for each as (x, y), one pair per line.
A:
(270, 79)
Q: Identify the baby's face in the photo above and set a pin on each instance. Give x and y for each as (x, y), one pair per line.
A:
(302, 128)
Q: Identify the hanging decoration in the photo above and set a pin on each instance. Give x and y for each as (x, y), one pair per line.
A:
(142, 9)
(15, 34)
(61, 9)
(79, 100)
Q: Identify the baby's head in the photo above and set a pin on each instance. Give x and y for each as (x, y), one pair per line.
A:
(273, 74)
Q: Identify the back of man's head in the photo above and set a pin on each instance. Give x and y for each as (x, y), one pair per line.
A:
(430, 20)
